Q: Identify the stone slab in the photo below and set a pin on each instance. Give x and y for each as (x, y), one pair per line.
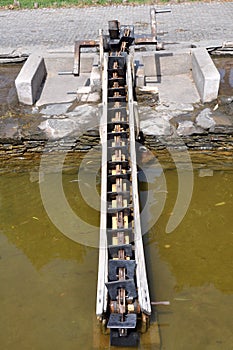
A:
(55, 109)
(171, 73)
(205, 119)
(205, 75)
(72, 124)
(62, 88)
(161, 63)
(178, 89)
(30, 78)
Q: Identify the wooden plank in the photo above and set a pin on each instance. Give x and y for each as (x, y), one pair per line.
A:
(143, 290)
(101, 300)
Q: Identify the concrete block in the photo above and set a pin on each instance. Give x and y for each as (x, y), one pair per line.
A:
(205, 75)
(84, 90)
(30, 78)
(95, 78)
(149, 65)
(86, 63)
(94, 97)
(167, 63)
(140, 76)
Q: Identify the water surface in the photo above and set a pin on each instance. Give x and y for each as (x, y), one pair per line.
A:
(8, 94)
(48, 282)
(225, 68)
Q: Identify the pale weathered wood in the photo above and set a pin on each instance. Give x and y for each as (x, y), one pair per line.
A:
(142, 284)
(101, 299)
(143, 290)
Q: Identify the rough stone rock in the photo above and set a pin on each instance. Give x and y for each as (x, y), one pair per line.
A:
(35, 110)
(223, 123)
(9, 129)
(225, 100)
(186, 128)
(57, 128)
(172, 106)
(206, 172)
(205, 119)
(72, 124)
(229, 109)
(94, 132)
(94, 97)
(12, 98)
(84, 113)
(146, 113)
(222, 119)
(147, 95)
(55, 109)
(156, 126)
(176, 120)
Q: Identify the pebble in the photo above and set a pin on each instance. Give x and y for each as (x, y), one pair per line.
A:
(206, 172)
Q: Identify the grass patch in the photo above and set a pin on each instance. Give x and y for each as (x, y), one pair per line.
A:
(17, 4)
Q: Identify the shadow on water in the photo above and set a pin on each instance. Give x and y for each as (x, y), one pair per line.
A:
(8, 94)
(225, 68)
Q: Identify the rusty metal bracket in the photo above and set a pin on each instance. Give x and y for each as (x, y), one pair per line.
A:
(150, 39)
(77, 52)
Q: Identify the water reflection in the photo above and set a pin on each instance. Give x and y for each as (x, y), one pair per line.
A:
(26, 225)
(225, 68)
(8, 95)
(48, 282)
(199, 251)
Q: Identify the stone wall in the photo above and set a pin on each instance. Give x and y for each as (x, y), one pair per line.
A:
(70, 127)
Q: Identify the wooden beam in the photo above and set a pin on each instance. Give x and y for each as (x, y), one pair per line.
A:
(143, 290)
(102, 294)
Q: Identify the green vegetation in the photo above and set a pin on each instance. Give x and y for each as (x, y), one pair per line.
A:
(16, 4)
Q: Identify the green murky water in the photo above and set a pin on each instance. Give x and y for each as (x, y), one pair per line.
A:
(48, 282)
(192, 266)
